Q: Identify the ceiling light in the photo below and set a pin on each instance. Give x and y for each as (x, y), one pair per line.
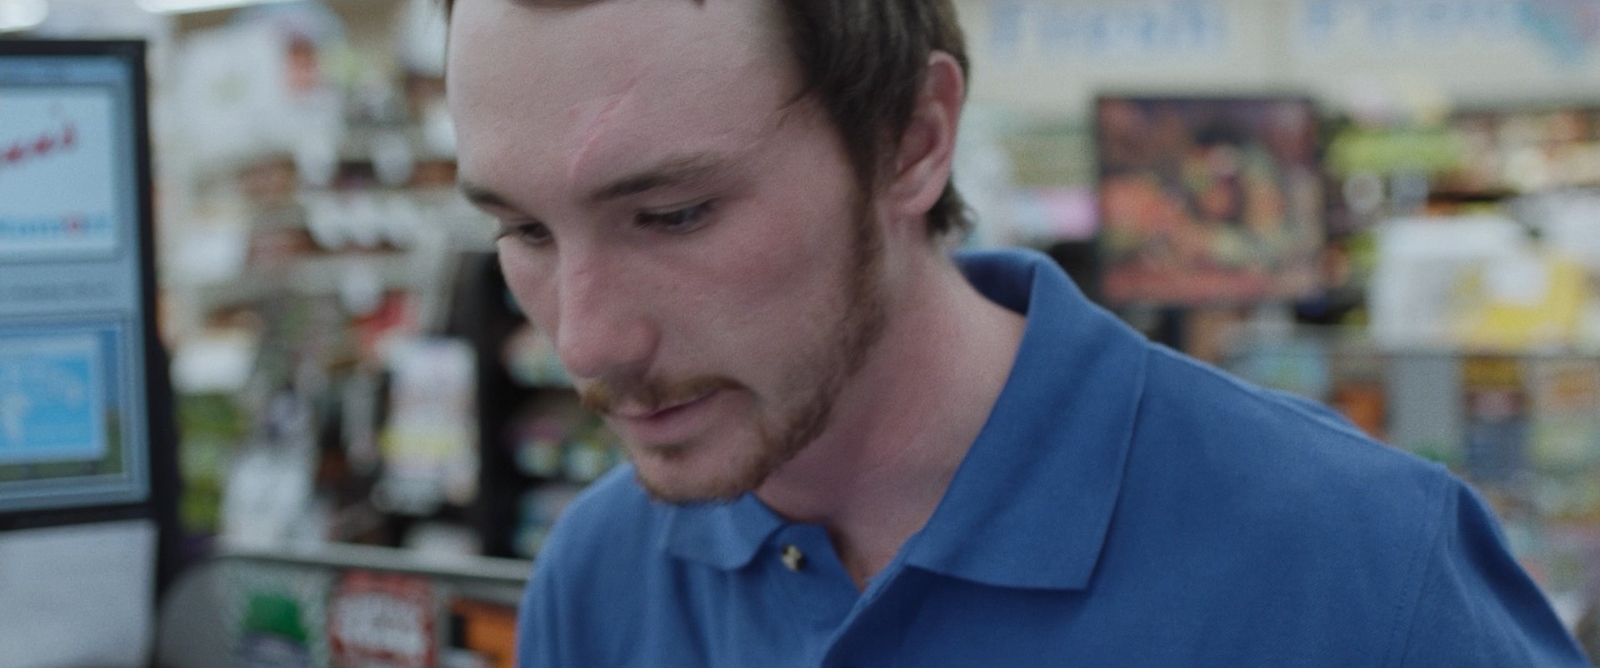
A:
(185, 6)
(22, 14)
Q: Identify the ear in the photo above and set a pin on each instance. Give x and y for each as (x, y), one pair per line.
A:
(922, 164)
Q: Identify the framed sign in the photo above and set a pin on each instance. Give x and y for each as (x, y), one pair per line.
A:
(1208, 200)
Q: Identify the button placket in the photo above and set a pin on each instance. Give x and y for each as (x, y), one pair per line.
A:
(799, 562)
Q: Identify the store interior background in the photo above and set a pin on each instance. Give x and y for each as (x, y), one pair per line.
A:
(349, 370)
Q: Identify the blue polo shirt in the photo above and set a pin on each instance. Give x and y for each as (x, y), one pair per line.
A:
(1123, 506)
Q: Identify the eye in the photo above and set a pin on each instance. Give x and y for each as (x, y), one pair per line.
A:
(529, 233)
(678, 221)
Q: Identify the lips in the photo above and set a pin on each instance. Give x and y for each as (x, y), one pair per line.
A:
(672, 424)
(633, 411)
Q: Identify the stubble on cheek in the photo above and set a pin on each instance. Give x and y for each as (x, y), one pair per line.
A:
(778, 433)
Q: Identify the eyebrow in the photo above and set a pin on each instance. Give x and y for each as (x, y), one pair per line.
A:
(482, 196)
(674, 171)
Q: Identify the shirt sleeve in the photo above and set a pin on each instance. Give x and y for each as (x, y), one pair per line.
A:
(1476, 606)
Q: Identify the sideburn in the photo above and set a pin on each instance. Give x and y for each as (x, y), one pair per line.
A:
(860, 329)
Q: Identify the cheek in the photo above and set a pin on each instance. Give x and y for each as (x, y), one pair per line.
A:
(776, 286)
(795, 232)
(786, 266)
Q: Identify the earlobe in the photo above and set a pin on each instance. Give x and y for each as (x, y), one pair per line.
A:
(922, 164)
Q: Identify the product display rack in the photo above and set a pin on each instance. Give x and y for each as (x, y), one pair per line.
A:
(538, 446)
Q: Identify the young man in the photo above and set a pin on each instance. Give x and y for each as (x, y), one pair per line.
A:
(850, 449)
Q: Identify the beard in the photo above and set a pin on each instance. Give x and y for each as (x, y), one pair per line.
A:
(819, 374)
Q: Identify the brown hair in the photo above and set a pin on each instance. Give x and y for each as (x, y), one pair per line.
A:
(865, 61)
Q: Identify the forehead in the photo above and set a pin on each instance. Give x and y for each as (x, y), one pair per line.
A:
(568, 95)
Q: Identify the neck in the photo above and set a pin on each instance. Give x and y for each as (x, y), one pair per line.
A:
(904, 423)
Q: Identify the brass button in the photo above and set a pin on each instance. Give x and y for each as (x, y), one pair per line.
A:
(793, 558)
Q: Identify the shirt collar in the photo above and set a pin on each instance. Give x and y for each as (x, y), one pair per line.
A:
(722, 535)
(1031, 503)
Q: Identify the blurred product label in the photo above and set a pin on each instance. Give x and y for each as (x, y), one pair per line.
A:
(381, 621)
(430, 447)
(1497, 419)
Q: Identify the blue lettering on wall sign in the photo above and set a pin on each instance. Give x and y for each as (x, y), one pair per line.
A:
(1568, 29)
(1006, 27)
(1110, 28)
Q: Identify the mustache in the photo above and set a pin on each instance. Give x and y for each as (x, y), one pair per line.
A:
(603, 396)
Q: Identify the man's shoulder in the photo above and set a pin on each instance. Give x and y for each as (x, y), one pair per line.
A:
(1251, 495)
(1216, 404)
(1292, 456)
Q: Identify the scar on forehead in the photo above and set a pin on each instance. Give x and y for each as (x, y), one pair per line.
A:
(597, 128)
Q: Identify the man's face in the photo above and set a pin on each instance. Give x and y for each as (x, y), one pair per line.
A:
(689, 235)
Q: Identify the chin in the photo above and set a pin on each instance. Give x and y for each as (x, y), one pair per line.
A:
(680, 492)
(673, 475)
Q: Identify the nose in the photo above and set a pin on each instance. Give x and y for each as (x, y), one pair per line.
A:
(601, 328)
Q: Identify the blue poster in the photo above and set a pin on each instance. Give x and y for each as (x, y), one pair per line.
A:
(52, 399)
